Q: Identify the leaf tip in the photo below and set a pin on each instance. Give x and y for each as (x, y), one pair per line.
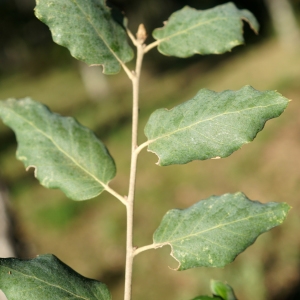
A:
(287, 208)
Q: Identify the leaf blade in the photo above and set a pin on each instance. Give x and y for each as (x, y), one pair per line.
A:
(92, 32)
(211, 125)
(207, 298)
(66, 155)
(45, 277)
(225, 291)
(198, 237)
(212, 31)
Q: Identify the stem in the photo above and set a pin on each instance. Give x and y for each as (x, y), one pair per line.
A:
(132, 37)
(134, 155)
(142, 146)
(144, 248)
(127, 71)
(151, 46)
(115, 194)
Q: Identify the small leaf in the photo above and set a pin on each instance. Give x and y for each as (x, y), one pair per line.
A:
(45, 278)
(91, 31)
(207, 298)
(65, 154)
(223, 290)
(211, 125)
(211, 31)
(212, 232)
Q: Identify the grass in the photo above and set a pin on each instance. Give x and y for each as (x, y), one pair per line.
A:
(90, 235)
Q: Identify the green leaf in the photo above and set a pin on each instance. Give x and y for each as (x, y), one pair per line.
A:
(207, 298)
(223, 290)
(211, 125)
(91, 31)
(212, 232)
(65, 154)
(212, 31)
(46, 277)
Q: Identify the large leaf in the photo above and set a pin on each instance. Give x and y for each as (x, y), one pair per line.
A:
(212, 232)
(212, 31)
(47, 278)
(91, 31)
(211, 124)
(65, 154)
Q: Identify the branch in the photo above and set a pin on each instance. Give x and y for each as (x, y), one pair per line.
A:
(133, 165)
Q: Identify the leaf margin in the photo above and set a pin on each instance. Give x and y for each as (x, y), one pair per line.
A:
(44, 111)
(59, 38)
(285, 209)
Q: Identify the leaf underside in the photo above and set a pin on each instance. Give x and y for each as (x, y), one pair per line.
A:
(212, 232)
(93, 33)
(211, 125)
(46, 277)
(65, 154)
(212, 31)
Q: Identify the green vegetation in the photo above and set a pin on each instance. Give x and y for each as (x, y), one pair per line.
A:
(151, 189)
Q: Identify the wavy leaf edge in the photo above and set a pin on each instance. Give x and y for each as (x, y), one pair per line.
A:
(160, 245)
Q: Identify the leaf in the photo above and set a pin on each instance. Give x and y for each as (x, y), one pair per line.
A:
(91, 31)
(223, 290)
(207, 298)
(211, 125)
(212, 232)
(46, 277)
(65, 154)
(212, 31)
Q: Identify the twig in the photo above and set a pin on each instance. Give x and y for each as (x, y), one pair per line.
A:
(134, 155)
(144, 248)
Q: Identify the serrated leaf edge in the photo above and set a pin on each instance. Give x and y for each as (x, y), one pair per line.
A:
(149, 142)
(243, 17)
(24, 158)
(284, 213)
(160, 245)
(208, 119)
(71, 49)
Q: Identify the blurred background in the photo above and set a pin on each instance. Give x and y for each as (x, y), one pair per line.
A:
(90, 235)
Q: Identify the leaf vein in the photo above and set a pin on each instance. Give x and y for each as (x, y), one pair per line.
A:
(60, 149)
(206, 120)
(217, 227)
(190, 28)
(44, 282)
(98, 33)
